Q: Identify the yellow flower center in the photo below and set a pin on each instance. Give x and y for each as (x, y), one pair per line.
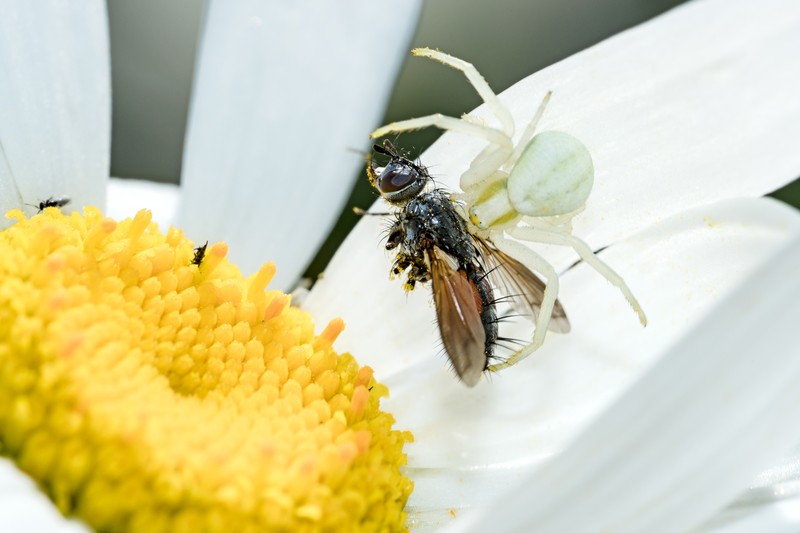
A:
(145, 392)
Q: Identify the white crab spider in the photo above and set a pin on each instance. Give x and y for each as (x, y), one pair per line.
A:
(521, 191)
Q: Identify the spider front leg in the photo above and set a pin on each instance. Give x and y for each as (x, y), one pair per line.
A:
(527, 135)
(489, 160)
(483, 170)
(444, 122)
(478, 83)
(535, 263)
(561, 238)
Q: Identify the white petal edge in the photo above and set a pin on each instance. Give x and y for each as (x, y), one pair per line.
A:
(681, 442)
(782, 516)
(696, 105)
(284, 92)
(771, 501)
(23, 507)
(526, 414)
(55, 103)
(126, 197)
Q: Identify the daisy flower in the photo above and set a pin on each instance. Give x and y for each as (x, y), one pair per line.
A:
(690, 118)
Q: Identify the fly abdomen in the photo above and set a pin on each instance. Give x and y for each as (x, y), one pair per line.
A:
(485, 296)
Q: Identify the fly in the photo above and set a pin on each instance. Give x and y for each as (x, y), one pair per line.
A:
(434, 244)
(51, 202)
(199, 254)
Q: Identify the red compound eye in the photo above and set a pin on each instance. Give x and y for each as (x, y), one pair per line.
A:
(396, 177)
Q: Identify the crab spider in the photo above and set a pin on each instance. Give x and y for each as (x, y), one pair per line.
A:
(520, 191)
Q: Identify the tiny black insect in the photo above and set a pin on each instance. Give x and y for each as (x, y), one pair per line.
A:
(52, 202)
(199, 254)
(434, 244)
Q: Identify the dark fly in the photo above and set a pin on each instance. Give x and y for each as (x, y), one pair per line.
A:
(434, 244)
(199, 254)
(52, 202)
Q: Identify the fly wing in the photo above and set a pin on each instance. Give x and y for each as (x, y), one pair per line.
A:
(458, 311)
(524, 287)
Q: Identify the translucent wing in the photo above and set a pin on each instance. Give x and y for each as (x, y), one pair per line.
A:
(458, 312)
(525, 288)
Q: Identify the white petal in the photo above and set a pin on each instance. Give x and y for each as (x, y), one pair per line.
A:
(55, 106)
(684, 439)
(126, 197)
(782, 516)
(23, 507)
(696, 105)
(525, 414)
(770, 503)
(284, 91)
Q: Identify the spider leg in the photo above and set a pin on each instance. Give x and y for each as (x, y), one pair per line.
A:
(487, 163)
(494, 157)
(535, 263)
(557, 222)
(557, 237)
(477, 81)
(484, 165)
(530, 129)
(440, 121)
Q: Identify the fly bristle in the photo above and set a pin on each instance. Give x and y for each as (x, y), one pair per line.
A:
(441, 352)
(510, 340)
(504, 298)
(507, 345)
(508, 317)
(488, 272)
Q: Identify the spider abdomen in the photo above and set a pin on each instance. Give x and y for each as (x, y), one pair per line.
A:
(553, 176)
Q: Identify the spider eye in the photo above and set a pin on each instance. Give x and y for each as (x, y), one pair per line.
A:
(396, 177)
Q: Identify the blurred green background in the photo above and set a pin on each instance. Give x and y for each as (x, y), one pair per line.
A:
(153, 48)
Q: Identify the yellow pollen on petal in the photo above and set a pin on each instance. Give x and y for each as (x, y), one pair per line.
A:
(145, 392)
